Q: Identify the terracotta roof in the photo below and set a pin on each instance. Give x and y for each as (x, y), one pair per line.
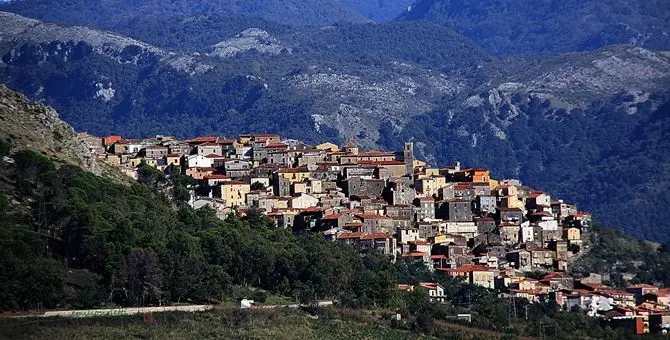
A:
(276, 146)
(536, 194)
(172, 155)
(331, 216)
(375, 153)
(349, 235)
(374, 236)
(429, 285)
(226, 141)
(209, 144)
(435, 257)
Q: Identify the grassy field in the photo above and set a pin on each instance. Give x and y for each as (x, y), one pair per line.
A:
(218, 324)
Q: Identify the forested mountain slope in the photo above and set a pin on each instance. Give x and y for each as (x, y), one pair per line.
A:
(506, 27)
(116, 14)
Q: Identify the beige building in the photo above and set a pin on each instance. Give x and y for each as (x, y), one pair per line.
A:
(303, 201)
(234, 193)
(429, 186)
(327, 146)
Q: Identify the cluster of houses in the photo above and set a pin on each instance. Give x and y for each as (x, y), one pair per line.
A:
(455, 220)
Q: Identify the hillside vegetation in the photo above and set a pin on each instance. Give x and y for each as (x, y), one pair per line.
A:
(530, 27)
(117, 14)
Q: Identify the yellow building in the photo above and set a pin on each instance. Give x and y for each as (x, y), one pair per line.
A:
(328, 146)
(234, 193)
(572, 234)
(173, 159)
(509, 197)
(293, 175)
(150, 161)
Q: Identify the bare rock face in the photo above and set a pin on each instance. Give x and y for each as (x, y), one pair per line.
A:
(33, 126)
(249, 39)
(53, 39)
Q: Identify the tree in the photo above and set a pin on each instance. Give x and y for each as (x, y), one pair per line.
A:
(141, 276)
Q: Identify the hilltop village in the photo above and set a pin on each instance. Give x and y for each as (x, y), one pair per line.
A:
(457, 220)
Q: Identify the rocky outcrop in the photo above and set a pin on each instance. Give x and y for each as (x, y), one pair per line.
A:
(66, 42)
(34, 126)
(249, 39)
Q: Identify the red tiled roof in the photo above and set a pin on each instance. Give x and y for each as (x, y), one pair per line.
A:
(331, 216)
(276, 146)
(374, 236)
(207, 139)
(429, 285)
(349, 235)
(375, 153)
(172, 155)
(414, 254)
(435, 257)
(209, 144)
(536, 194)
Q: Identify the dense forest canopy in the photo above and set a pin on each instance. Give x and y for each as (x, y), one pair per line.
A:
(117, 14)
(511, 27)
